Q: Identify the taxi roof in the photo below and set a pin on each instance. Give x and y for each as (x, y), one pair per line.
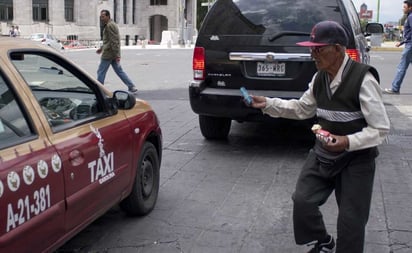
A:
(13, 42)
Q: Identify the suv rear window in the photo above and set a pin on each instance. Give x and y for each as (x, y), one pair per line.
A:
(270, 19)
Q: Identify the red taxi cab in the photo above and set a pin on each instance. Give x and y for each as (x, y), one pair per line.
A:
(69, 149)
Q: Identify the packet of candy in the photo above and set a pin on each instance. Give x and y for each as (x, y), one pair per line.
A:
(322, 135)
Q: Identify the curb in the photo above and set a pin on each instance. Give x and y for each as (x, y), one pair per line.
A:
(399, 49)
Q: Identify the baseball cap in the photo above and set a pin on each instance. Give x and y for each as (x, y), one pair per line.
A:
(326, 33)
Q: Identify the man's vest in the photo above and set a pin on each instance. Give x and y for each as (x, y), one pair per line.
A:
(340, 113)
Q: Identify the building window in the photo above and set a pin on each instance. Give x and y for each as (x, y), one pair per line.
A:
(6, 10)
(40, 10)
(69, 10)
(114, 16)
(134, 14)
(158, 2)
(124, 11)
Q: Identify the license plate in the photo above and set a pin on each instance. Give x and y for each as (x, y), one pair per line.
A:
(271, 69)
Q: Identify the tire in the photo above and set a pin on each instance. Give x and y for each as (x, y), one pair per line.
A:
(214, 127)
(143, 197)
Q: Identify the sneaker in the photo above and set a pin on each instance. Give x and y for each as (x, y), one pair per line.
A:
(390, 91)
(325, 247)
(132, 89)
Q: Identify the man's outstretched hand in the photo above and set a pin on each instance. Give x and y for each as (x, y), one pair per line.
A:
(258, 102)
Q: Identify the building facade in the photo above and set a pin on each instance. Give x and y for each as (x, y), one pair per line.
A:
(142, 19)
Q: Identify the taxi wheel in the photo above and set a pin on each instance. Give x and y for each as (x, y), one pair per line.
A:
(143, 197)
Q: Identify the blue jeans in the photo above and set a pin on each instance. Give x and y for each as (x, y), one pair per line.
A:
(406, 59)
(104, 66)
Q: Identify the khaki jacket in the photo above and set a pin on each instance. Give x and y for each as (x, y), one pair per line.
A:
(111, 41)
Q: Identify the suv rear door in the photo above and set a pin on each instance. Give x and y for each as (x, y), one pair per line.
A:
(238, 35)
(252, 43)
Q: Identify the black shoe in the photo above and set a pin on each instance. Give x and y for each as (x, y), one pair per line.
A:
(390, 91)
(328, 246)
(133, 89)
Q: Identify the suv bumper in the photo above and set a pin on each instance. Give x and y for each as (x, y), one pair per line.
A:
(228, 103)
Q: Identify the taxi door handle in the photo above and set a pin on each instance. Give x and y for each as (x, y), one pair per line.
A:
(76, 157)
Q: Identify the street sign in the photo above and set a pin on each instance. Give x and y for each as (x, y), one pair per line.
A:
(368, 14)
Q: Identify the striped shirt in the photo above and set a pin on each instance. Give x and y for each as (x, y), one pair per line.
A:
(371, 103)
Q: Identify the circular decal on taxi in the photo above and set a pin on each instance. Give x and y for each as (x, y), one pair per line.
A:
(42, 169)
(28, 175)
(13, 181)
(56, 163)
(1, 189)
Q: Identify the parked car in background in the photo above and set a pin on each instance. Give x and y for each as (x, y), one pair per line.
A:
(252, 43)
(69, 149)
(47, 39)
(73, 44)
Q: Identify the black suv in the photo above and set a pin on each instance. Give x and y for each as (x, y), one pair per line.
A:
(252, 43)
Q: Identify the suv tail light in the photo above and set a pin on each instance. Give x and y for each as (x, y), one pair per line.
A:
(354, 54)
(199, 63)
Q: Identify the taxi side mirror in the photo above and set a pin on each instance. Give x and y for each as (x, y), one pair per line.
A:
(374, 28)
(124, 99)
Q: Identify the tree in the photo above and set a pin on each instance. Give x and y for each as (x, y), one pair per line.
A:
(363, 23)
(403, 19)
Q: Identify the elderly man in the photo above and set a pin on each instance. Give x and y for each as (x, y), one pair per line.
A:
(111, 52)
(346, 98)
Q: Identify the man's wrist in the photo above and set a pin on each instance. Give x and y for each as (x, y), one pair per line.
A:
(346, 142)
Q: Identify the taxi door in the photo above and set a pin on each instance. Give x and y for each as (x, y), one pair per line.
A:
(31, 177)
(97, 158)
(94, 143)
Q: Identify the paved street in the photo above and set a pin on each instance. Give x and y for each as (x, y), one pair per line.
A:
(234, 195)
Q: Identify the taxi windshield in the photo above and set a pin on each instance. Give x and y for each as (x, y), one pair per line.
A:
(42, 73)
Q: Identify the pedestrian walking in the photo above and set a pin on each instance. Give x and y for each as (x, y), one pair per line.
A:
(16, 31)
(345, 97)
(406, 57)
(110, 52)
(11, 32)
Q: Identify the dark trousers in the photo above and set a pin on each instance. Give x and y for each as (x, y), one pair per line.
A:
(353, 190)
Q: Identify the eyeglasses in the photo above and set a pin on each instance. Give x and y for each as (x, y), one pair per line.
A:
(318, 49)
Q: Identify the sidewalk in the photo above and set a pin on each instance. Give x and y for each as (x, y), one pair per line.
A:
(235, 196)
(160, 46)
(148, 46)
(387, 46)
(392, 196)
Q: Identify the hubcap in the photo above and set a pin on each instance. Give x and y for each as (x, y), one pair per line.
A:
(147, 178)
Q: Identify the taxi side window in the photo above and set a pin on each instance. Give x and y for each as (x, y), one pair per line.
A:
(65, 99)
(14, 127)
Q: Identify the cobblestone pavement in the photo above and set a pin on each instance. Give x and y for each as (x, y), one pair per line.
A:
(234, 196)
